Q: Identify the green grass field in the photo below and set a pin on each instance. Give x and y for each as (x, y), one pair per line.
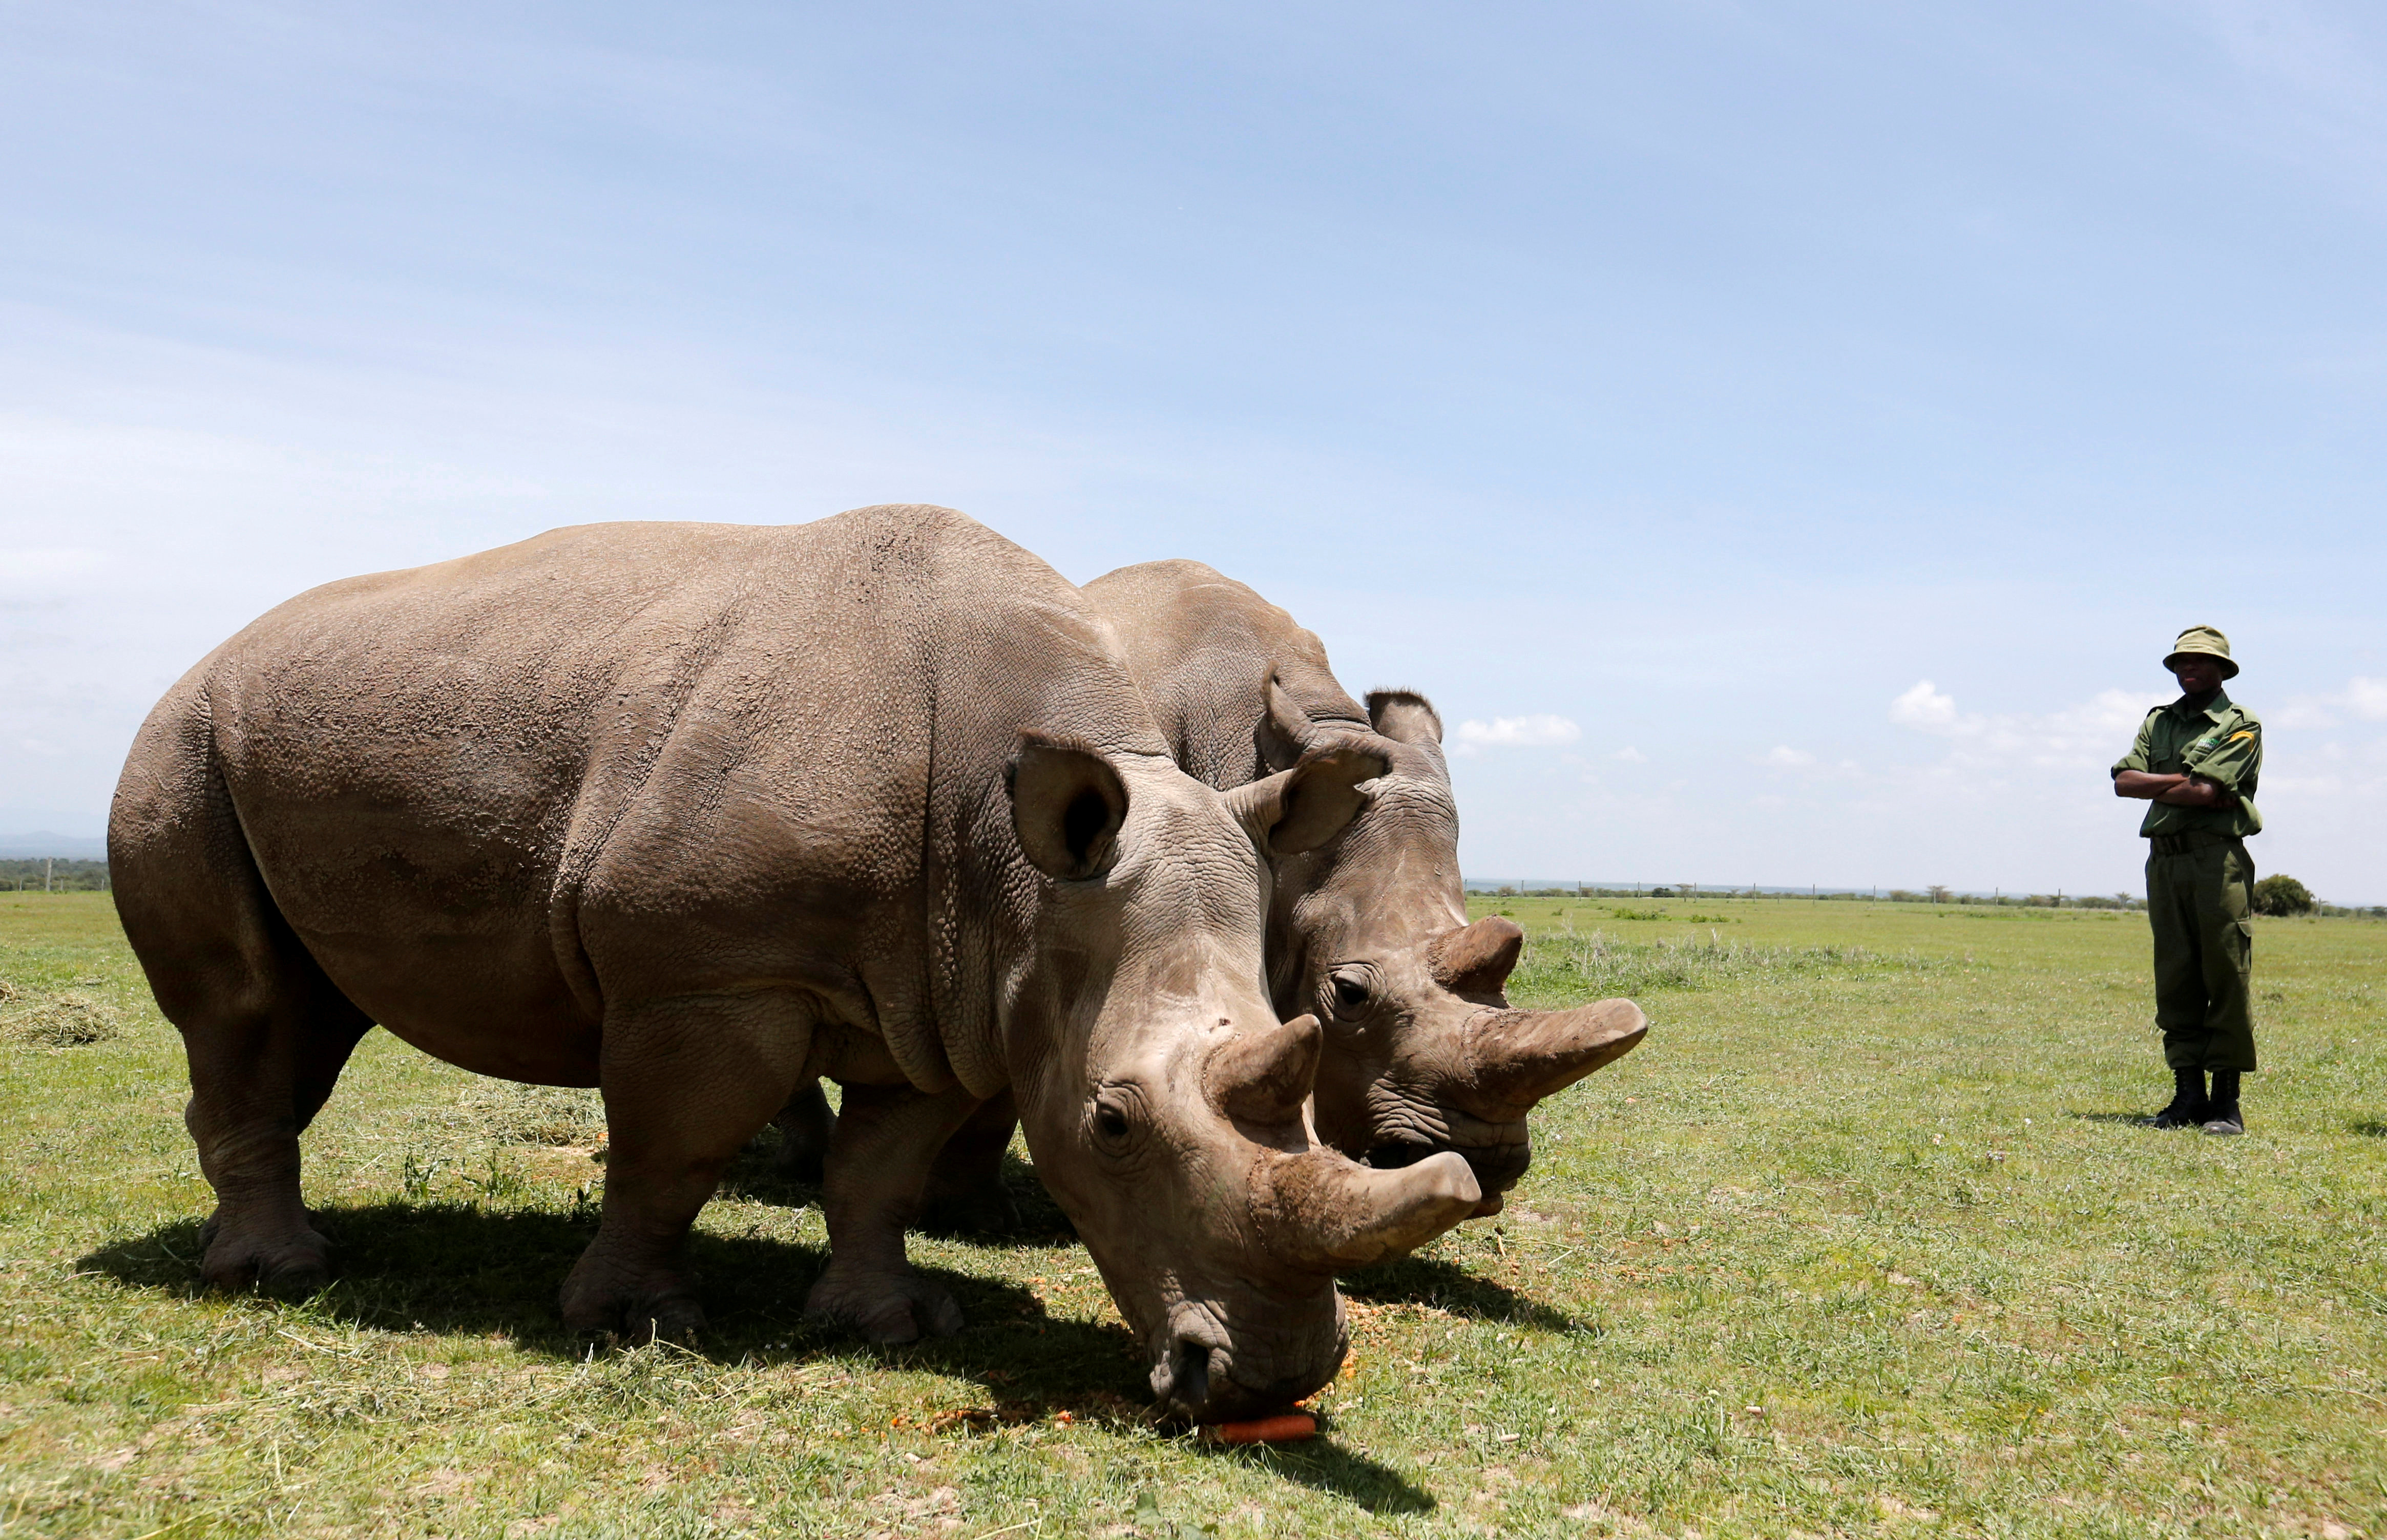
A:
(1862, 1241)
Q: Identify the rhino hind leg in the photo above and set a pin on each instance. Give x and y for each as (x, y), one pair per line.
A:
(966, 1194)
(888, 1138)
(265, 1031)
(687, 1084)
(257, 1079)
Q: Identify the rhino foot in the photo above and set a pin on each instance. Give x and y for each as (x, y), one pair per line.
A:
(287, 1265)
(884, 1309)
(635, 1315)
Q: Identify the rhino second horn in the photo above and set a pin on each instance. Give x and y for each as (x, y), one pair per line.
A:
(1515, 1059)
(1264, 1076)
(1326, 1214)
(1475, 959)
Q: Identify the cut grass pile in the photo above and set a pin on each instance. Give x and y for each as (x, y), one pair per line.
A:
(72, 1018)
(1862, 1241)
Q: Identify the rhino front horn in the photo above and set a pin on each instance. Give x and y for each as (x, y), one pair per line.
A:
(1321, 1212)
(1515, 1059)
(1264, 1076)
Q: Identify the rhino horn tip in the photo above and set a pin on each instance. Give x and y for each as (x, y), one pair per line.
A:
(1333, 1216)
(1522, 1056)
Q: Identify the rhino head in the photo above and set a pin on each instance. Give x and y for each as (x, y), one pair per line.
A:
(1369, 930)
(1164, 1101)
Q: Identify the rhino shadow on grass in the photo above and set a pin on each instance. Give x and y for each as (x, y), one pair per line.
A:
(1445, 1286)
(455, 1268)
(1323, 1465)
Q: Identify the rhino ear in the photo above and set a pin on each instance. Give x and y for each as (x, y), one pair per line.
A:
(1066, 806)
(1286, 732)
(1404, 715)
(1306, 806)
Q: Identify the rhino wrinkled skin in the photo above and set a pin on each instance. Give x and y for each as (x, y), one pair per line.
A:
(1368, 931)
(697, 813)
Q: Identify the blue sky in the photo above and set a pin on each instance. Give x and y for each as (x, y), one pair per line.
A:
(1673, 391)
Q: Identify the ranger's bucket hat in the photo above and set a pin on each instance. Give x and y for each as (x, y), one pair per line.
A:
(2203, 639)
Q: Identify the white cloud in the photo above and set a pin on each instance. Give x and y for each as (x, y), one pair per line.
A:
(2364, 700)
(1540, 731)
(2107, 714)
(1629, 755)
(2097, 729)
(1783, 757)
(1925, 709)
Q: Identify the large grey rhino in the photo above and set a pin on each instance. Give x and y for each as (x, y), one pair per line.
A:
(695, 813)
(1368, 931)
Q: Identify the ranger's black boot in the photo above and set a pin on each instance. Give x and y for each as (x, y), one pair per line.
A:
(2221, 1116)
(2189, 1107)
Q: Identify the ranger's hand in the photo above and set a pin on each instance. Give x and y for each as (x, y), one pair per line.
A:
(2174, 790)
(2145, 785)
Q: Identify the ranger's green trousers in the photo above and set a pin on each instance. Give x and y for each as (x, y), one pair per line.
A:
(2200, 893)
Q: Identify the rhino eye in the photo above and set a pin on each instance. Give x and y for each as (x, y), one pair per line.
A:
(1110, 1121)
(1350, 995)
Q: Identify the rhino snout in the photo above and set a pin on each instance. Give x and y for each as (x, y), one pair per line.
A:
(1499, 1154)
(1210, 1373)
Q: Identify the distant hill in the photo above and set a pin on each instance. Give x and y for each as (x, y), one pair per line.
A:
(65, 847)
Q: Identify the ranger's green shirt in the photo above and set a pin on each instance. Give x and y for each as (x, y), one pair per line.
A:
(2222, 743)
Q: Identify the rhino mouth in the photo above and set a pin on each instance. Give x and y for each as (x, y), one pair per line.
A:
(1203, 1378)
(1498, 1163)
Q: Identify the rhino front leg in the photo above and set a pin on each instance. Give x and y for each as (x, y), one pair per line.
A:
(886, 1139)
(685, 1086)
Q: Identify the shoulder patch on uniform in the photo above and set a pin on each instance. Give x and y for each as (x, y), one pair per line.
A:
(2241, 737)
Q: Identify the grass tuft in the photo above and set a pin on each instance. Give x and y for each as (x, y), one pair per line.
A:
(69, 1018)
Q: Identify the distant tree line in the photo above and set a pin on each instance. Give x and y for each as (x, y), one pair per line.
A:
(1861, 895)
(2273, 895)
(63, 876)
(2277, 894)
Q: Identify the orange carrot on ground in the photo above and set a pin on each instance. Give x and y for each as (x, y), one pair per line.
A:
(1290, 1428)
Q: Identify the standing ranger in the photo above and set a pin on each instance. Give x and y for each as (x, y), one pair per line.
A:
(2196, 761)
